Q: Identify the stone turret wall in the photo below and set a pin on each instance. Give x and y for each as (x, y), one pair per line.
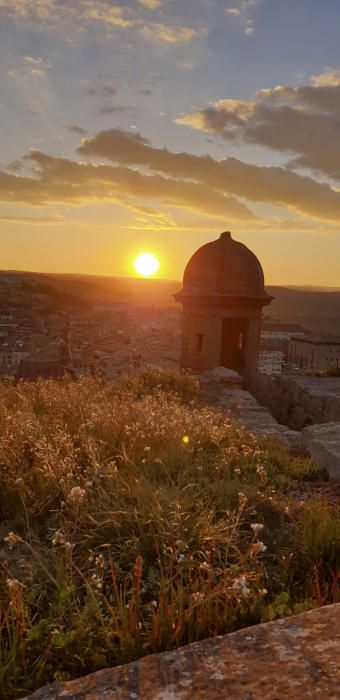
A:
(298, 401)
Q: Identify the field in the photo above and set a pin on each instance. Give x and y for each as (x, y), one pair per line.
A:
(134, 520)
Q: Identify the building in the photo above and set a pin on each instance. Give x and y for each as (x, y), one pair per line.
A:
(274, 345)
(271, 361)
(315, 353)
(222, 296)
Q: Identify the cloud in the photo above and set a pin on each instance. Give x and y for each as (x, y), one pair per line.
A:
(60, 180)
(151, 4)
(84, 13)
(76, 130)
(111, 109)
(241, 10)
(162, 33)
(124, 168)
(301, 121)
(23, 8)
(33, 220)
(30, 65)
(103, 91)
(276, 185)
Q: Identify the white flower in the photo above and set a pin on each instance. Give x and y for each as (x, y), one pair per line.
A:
(181, 558)
(256, 528)
(257, 548)
(76, 495)
(12, 539)
(14, 585)
(147, 449)
(239, 584)
(58, 538)
(69, 546)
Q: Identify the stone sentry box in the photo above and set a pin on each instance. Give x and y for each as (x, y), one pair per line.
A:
(223, 295)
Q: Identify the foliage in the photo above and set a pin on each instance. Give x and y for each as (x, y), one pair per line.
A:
(133, 522)
(149, 381)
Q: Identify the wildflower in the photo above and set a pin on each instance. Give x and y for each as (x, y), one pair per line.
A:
(263, 591)
(256, 528)
(147, 448)
(186, 439)
(240, 585)
(58, 538)
(76, 495)
(237, 471)
(257, 548)
(14, 585)
(154, 604)
(12, 539)
(198, 597)
(69, 546)
(181, 558)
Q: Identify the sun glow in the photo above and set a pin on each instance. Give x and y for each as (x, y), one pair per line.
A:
(146, 264)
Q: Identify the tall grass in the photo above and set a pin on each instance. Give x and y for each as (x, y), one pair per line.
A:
(134, 521)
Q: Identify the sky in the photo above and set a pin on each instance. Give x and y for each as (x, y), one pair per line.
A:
(153, 125)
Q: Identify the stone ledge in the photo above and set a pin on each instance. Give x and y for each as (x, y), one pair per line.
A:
(294, 658)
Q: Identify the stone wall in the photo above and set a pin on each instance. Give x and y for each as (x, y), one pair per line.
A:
(298, 401)
(289, 659)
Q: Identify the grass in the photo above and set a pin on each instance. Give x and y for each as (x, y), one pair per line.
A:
(134, 521)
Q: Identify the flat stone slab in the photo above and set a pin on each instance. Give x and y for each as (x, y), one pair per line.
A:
(323, 444)
(294, 659)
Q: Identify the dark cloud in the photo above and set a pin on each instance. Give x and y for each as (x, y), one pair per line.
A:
(102, 91)
(135, 171)
(302, 122)
(76, 130)
(60, 180)
(276, 185)
(111, 109)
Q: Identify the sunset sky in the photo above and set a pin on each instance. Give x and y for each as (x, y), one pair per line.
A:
(153, 125)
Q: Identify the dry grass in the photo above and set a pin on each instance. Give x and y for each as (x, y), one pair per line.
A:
(133, 521)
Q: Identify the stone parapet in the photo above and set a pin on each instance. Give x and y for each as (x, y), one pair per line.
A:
(290, 659)
(298, 401)
(323, 444)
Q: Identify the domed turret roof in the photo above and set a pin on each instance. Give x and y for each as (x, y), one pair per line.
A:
(224, 267)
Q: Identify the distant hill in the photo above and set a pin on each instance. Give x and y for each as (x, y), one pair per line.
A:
(315, 308)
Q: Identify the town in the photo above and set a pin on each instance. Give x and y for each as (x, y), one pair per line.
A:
(47, 333)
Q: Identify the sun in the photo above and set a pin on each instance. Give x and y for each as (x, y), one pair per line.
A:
(146, 264)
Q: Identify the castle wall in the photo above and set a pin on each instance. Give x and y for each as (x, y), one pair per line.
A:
(298, 401)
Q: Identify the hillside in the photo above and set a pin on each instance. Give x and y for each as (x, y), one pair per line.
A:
(134, 520)
(314, 309)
